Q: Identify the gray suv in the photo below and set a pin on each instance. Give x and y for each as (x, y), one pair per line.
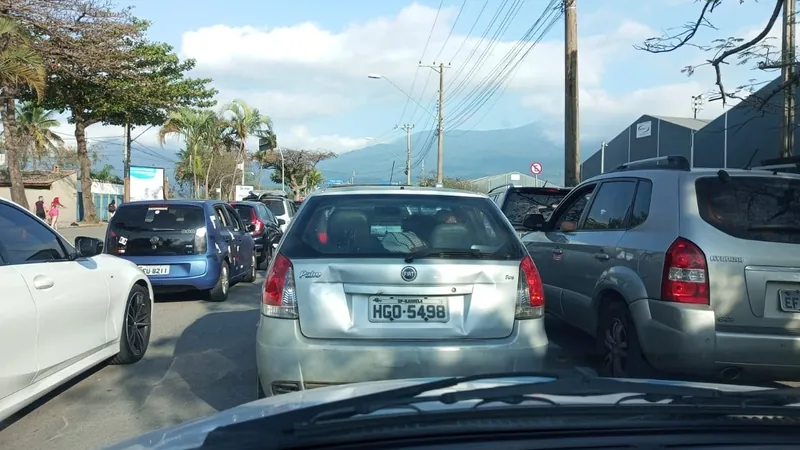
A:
(373, 283)
(694, 271)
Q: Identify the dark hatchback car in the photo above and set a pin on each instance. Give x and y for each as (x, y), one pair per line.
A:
(266, 230)
(184, 245)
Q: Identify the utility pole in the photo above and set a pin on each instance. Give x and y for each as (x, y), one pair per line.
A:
(788, 70)
(126, 164)
(697, 104)
(407, 128)
(440, 120)
(572, 148)
(353, 178)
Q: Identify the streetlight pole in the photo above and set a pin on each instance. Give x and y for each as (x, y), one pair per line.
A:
(283, 170)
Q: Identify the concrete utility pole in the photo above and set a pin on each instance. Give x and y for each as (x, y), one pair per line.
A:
(440, 153)
(788, 70)
(697, 104)
(407, 128)
(126, 164)
(572, 148)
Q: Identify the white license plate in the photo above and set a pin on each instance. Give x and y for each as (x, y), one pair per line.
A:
(155, 270)
(408, 309)
(789, 300)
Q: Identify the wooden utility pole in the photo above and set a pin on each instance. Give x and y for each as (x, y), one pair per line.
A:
(440, 121)
(788, 69)
(407, 128)
(571, 120)
(126, 164)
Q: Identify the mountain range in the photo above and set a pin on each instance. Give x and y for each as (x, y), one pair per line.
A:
(467, 155)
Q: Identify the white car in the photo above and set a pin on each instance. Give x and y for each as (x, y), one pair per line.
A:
(62, 310)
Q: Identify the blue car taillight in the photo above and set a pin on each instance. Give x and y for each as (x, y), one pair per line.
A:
(201, 240)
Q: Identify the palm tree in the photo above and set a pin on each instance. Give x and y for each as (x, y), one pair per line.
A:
(20, 66)
(34, 126)
(245, 122)
(194, 127)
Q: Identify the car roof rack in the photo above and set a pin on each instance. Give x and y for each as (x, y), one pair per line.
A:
(674, 162)
(785, 164)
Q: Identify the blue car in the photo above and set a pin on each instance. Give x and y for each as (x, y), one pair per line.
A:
(184, 245)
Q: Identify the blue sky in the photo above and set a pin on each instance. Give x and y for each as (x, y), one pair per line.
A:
(305, 63)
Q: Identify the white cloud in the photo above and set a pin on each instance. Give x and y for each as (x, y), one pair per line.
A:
(300, 137)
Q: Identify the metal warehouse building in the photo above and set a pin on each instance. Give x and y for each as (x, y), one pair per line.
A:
(486, 184)
(749, 130)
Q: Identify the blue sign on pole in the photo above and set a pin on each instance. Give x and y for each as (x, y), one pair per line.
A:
(335, 182)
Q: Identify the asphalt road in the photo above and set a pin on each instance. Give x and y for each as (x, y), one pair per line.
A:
(200, 360)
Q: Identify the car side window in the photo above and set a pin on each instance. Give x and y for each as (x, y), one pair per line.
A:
(267, 214)
(235, 220)
(572, 211)
(641, 203)
(23, 239)
(222, 218)
(610, 206)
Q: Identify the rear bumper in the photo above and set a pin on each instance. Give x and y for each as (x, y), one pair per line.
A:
(288, 361)
(197, 272)
(685, 339)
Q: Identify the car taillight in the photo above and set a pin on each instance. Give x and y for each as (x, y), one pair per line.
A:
(200, 240)
(257, 223)
(280, 297)
(530, 291)
(685, 278)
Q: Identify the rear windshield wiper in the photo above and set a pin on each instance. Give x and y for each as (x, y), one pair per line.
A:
(445, 252)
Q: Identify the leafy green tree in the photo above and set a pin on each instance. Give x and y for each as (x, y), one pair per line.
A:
(245, 121)
(298, 165)
(20, 67)
(137, 83)
(197, 128)
(36, 136)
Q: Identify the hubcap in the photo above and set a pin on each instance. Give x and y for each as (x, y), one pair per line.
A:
(223, 276)
(137, 323)
(616, 345)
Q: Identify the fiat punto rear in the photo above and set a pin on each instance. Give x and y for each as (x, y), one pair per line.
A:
(374, 283)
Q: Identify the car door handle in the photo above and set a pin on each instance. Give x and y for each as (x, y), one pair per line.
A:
(557, 251)
(602, 256)
(42, 282)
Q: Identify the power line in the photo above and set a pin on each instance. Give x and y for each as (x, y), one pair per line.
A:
(416, 72)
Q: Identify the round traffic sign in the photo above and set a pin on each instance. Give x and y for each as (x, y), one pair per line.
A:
(536, 168)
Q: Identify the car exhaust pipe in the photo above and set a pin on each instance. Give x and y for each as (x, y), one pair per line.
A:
(730, 373)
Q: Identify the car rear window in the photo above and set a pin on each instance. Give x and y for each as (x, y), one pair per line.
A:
(153, 230)
(519, 203)
(245, 212)
(391, 225)
(275, 205)
(757, 208)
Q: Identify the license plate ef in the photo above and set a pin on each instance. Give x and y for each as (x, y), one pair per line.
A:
(789, 300)
(407, 309)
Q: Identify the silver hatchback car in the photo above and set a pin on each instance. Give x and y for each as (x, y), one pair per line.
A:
(388, 282)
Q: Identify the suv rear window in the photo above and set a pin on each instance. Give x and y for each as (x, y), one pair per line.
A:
(245, 212)
(519, 203)
(380, 225)
(757, 208)
(275, 205)
(148, 230)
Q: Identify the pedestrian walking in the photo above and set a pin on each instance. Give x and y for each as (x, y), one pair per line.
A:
(39, 209)
(112, 208)
(55, 205)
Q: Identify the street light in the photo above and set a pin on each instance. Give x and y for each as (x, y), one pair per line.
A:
(375, 76)
(283, 170)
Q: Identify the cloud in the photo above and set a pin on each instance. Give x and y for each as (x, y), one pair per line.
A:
(300, 137)
(300, 72)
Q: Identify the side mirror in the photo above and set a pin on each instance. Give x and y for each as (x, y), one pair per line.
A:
(281, 222)
(533, 221)
(250, 227)
(87, 247)
(567, 226)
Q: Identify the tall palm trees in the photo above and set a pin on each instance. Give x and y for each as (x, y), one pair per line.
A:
(36, 137)
(20, 66)
(244, 122)
(196, 127)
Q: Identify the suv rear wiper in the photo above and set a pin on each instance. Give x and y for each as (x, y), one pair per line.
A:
(566, 385)
(443, 252)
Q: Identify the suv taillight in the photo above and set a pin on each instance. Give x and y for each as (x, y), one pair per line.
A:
(200, 240)
(530, 292)
(685, 278)
(257, 223)
(280, 297)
